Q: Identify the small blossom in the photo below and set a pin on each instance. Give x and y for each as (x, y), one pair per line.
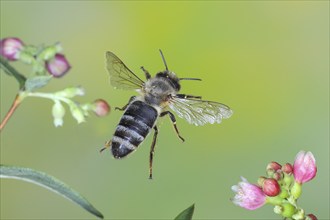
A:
(77, 112)
(58, 112)
(304, 167)
(71, 92)
(271, 187)
(101, 107)
(58, 66)
(10, 48)
(248, 196)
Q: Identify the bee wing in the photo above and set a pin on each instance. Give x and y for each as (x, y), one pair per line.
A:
(200, 112)
(120, 76)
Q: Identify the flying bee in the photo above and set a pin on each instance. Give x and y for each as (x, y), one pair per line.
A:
(156, 95)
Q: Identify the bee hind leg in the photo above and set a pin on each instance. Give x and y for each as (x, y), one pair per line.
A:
(172, 117)
(106, 146)
(125, 106)
(152, 151)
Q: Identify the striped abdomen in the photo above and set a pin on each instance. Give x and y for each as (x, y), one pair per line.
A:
(136, 123)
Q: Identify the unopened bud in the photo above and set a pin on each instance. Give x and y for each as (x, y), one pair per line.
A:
(278, 175)
(261, 181)
(50, 51)
(274, 165)
(287, 168)
(101, 107)
(271, 187)
(286, 210)
(58, 66)
(10, 48)
(311, 217)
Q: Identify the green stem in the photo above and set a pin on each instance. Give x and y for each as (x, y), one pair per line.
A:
(48, 96)
(12, 72)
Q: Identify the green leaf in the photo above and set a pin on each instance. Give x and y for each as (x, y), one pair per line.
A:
(49, 182)
(37, 82)
(186, 214)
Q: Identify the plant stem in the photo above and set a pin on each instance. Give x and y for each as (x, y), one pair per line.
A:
(12, 109)
(12, 72)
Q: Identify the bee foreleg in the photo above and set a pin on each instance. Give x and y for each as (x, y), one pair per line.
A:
(125, 106)
(172, 117)
(148, 76)
(106, 146)
(184, 96)
(152, 151)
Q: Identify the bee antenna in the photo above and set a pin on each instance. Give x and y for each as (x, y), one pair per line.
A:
(190, 79)
(161, 54)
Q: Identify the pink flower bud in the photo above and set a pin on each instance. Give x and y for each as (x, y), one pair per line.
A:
(304, 167)
(274, 166)
(278, 175)
(311, 217)
(101, 107)
(248, 196)
(271, 187)
(10, 48)
(287, 168)
(58, 66)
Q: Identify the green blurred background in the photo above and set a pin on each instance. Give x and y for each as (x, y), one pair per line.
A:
(267, 60)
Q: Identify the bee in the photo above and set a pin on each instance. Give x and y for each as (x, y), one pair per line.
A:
(156, 95)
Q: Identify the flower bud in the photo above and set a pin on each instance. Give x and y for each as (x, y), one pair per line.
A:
(248, 196)
(50, 51)
(261, 181)
(58, 112)
(101, 107)
(287, 168)
(285, 209)
(271, 187)
(10, 48)
(278, 175)
(304, 167)
(311, 217)
(77, 112)
(58, 66)
(274, 166)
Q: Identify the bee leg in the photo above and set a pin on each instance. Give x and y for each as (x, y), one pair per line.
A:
(106, 146)
(172, 117)
(125, 106)
(152, 151)
(184, 96)
(148, 76)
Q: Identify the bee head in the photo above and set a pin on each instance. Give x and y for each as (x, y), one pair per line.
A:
(171, 78)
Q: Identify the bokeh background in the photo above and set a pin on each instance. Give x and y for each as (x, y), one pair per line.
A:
(267, 60)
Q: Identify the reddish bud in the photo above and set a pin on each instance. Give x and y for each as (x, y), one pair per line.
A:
(101, 107)
(58, 66)
(271, 187)
(278, 175)
(10, 48)
(287, 168)
(311, 217)
(274, 166)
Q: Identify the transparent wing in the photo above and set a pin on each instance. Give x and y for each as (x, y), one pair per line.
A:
(120, 76)
(200, 112)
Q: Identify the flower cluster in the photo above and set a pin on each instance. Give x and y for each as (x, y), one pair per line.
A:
(43, 59)
(47, 62)
(281, 187)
